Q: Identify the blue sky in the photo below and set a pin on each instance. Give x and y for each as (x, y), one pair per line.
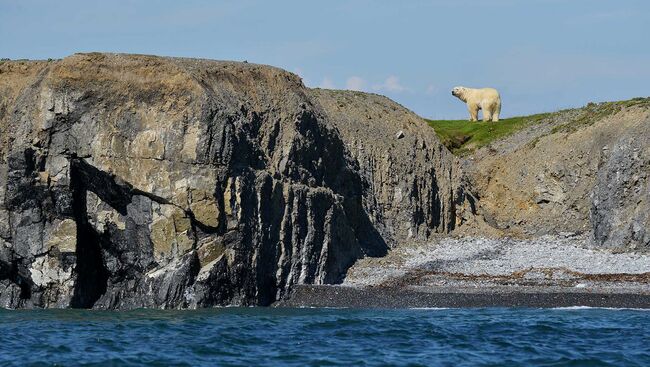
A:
(542, 55)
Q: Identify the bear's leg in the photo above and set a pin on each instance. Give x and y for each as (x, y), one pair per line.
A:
(473, 111)
(495, 114)
(487, 114)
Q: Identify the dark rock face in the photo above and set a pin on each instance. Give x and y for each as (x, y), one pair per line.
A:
(407, 170)
(620, 211)
(137, 181)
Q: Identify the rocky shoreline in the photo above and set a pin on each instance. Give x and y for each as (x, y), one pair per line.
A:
(550, 271)
(567, 261)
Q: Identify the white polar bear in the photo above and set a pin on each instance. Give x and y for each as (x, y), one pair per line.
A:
(486, 99)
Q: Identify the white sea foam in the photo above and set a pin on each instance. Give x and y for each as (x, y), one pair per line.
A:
(599, 308)
(324, 307)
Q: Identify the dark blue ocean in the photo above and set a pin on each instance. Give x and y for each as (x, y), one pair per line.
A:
(327, 337)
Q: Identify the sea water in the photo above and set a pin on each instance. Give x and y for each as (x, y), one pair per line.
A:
(327, 337)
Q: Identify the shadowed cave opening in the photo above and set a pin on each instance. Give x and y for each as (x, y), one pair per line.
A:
(92, 276)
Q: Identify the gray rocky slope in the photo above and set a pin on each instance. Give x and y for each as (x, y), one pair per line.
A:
(584, 171)
(137, 181)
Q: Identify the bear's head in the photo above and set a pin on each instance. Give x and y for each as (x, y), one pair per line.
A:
(458, 92)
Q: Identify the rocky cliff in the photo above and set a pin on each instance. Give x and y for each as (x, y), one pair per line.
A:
(566, 200)
(581, 171)
(137, 181)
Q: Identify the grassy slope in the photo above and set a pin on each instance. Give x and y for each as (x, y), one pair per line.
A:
(463, 137)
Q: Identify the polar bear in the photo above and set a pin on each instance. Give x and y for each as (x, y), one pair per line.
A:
(486, 99)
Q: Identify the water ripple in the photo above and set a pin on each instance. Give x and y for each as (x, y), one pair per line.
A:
(326, 337)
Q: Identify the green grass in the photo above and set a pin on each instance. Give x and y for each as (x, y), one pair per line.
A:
(463, 137)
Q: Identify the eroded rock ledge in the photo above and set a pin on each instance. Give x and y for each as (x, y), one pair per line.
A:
(138, 181)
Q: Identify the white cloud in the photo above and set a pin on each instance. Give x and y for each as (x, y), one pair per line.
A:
(391, 84)
(355, 83)
(327, 83)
